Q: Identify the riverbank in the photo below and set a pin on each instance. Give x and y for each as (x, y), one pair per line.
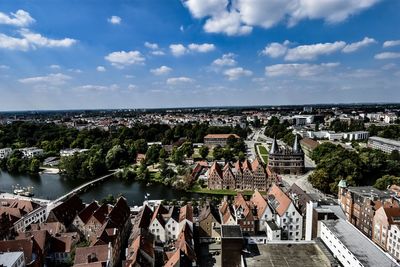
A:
(48, 170)
(220, 192)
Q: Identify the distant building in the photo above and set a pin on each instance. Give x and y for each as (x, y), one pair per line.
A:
(212, 140)
(71, 151)
(30, 152)
(286, 161)
(5, 152)
(308, 145)
(359, 135)
(240, 176)
(384, 144)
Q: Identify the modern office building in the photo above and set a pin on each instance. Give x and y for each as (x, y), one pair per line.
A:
(384, 144)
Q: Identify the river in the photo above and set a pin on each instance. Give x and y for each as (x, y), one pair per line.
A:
(51, 186)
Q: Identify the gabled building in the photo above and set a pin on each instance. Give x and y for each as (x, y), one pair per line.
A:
(209, 225)
(287, 217)
(66, 211)
(264, 212)
(172, 224)
(244, 214)
(157, 223)
(227, 213)
(385, 218)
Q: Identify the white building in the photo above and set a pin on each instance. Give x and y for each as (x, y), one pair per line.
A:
(36, 216)
(30, 152)
(350, 246)
(384, 144)
(390, 118)
(12, 259)
(273, 231)
(359, 135)
(172, 226)
(393, 245)
(287, 217)
(5, 152)
(71, 151)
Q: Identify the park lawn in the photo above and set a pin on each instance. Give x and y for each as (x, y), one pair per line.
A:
(263, 153)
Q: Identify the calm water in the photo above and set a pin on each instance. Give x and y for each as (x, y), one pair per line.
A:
(50, 186)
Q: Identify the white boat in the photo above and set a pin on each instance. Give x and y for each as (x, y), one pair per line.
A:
(23, 191)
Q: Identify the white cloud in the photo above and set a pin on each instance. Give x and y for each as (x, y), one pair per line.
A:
(391, 43)
(32, 40)
(121, 59)
(156, 51)
(301, 70)
(239, 16)
(201, 48)
(20, 18)
(387, 55)
(152, 46)
(96, 88)
(236, 73)
(178, 49)
(163, 70)
(275, 50)
(225, 60)
(357, 45)
(389, 66)
(310, 52)
(101, 69)
(228, 23)
(179, 80)
(114, 20)
(51, 79)
(4, 67)
(132, 87)
(55, 67)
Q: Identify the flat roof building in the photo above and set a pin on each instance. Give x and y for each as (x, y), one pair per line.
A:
(384, 144)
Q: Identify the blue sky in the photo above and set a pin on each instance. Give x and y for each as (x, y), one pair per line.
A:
(169, 53)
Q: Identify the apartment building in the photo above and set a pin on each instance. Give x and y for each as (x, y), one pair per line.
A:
(384, 144)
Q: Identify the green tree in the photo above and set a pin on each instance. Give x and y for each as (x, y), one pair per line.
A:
(153, 154)
(116, 157)
(34, 165)
(141, 145)
(203, 151)
(218, 152)
(387, 180)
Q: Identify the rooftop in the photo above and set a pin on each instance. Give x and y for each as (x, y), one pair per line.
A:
(231, 231)
(285, 255)
(368, 191)
(361, 247)
(385, 140)
(9, 258)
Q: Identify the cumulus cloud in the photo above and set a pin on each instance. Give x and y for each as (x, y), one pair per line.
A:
(236, 73)
(357, 45)
(391, 43)
(310, 52)
(296, 69)
(55, 67)
(156, 51)
(239, 16)
(387, 55)
(275, 50)
(179, 49)
(30, 40)
(20, 18)
(201, 48)
(96, 88)
(51, 79)
(101, 69)
(163, 70)
(121, 59)
(225, 60)
(179, 80)
(114, 20)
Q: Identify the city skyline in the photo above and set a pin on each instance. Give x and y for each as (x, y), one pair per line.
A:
(154, 54)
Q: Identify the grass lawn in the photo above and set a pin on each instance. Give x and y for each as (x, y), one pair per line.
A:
(263, 153)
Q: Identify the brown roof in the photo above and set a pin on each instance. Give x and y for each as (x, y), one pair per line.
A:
(260, 203)
(53, 227)
(278, 199)
(120, 213)
(160, 210)
(303, 197)
(174, 259)
(25, 245)
(309, 143)
(255, 164)
(87, 212)
(64, 242)
(101, 213)
(393, 215)
(141, 243)
(240, 202)
(246, 165)
(66, 211)
(97, 254)
(224, 136)
(238, 166)
(40, 236)
(215, 168)
(186, 212)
